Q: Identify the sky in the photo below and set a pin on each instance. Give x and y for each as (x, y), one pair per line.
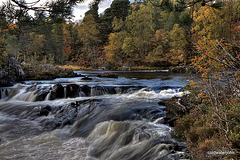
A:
(80, 9)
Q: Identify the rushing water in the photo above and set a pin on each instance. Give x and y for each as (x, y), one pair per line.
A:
(102, 118)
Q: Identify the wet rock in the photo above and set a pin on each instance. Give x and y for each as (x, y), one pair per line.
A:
(16, 69)
(72, 90)
(176, 108)
(45, 111)
(41, 94)
(162, 103)
(32, 88)
(13, 74)
(57, 92)
(31, 113)
(110, 90)
(6, 79)
(170, 119)
(86, 90)
(66, 115)
(102, 90)
(107, 75)
(86, 79)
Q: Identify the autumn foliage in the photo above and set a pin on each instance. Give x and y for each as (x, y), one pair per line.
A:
(214, 122)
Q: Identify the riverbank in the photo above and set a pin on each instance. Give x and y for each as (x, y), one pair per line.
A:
(16, 73)
(171, 69)
(192, 124)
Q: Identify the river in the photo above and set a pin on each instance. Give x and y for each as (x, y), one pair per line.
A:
(100, 118)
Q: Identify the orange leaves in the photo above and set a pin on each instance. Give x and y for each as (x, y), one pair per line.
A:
(192, 83)
(213, 57)
(67, 50)
(202, 95)
(11, 27)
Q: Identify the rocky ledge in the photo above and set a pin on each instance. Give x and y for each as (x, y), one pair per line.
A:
(12, 74)
(175, 108)
(15, 73)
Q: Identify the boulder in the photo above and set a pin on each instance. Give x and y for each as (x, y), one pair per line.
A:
(13, 75)
(41, 94)
(176, 108)
(86, 90)
(45, 111)
(16, 69)
(57, 92)
(72, 90)
(6, 79)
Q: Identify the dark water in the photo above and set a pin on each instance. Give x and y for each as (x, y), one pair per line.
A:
(103, 118)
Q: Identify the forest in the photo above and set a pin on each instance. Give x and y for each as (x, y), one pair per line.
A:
(147, 34)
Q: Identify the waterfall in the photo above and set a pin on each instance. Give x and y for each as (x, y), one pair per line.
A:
(47, 97)
(24, 96)
(3, 93)
(65, 92)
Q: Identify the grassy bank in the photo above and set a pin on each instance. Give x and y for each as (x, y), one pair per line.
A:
(76, 68)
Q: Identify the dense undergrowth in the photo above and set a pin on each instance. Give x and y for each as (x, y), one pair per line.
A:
(212, 129)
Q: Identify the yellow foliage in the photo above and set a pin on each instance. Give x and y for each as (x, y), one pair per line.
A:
(207, 23)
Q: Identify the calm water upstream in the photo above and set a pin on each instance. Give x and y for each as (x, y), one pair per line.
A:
(103, 118)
